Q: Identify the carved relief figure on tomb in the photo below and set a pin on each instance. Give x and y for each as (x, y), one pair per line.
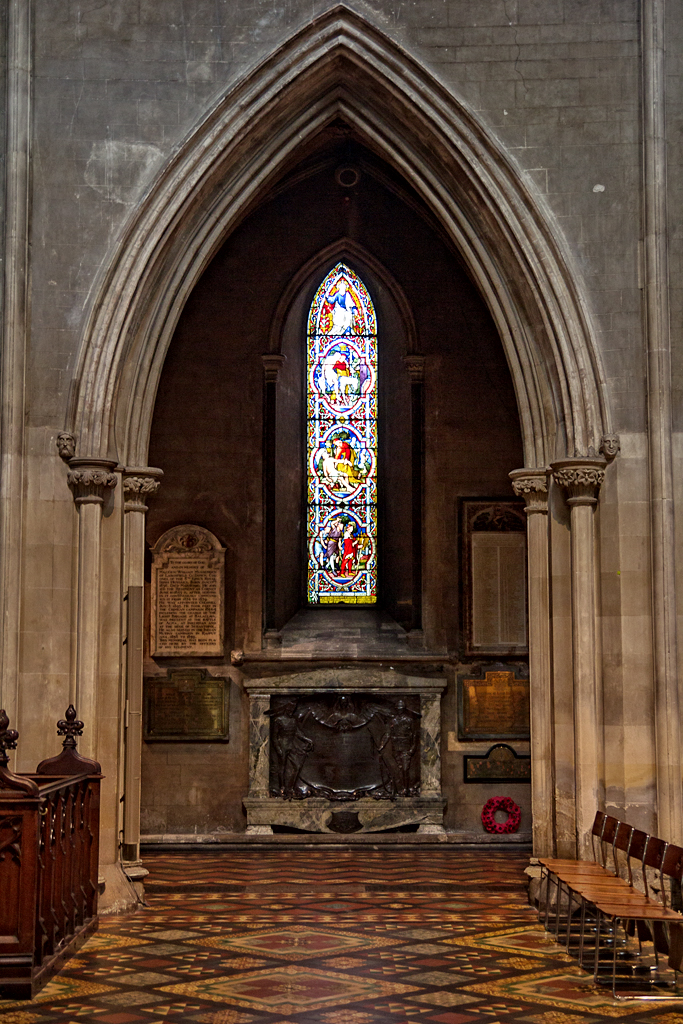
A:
(290, 746)
(343, 715)
(344, 747)
(342, 441)
(397, 748)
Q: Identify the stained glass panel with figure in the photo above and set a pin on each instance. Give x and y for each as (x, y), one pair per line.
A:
(342, 442)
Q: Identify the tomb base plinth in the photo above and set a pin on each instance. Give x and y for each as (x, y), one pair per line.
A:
(316, 814)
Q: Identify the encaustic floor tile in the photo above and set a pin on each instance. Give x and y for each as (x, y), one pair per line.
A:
(350, 936)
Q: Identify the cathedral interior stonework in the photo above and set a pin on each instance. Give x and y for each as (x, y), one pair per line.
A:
(341, 417)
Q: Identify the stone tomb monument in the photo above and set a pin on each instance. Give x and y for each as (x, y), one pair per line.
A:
(188, 572)
(345, 751)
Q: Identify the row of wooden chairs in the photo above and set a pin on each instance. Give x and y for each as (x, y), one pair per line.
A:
(611, 907)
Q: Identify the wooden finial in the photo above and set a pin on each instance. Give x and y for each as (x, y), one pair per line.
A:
(69, 762)
(8, 737)
(70, 727)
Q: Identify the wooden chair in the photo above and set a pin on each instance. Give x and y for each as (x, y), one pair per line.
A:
(603, 834)
(580, 884)
(666, 860)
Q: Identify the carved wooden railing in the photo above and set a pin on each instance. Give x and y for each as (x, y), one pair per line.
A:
(49, 839)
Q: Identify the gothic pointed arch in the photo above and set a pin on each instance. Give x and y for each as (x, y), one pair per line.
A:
(341, 67)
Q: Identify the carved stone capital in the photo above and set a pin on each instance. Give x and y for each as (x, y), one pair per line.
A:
(140, 484)
(91, 480)
(272, 364)
(610, 446)
(532, 485)
(415, 365)
(66, 445)
(580, 479)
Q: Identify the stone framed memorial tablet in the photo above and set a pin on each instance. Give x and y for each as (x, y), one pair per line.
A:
(494, 577)
(188, 573)
(493, 707)
(189, 706)
(499, 764)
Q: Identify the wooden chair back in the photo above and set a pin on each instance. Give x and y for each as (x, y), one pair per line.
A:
(622, 843)
(596, 833)
(672, 864)
(655, 851)
(636, 851)
(672, 868)
(608, 836)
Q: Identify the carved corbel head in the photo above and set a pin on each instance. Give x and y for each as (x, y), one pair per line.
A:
(66, 445)
(610, 446)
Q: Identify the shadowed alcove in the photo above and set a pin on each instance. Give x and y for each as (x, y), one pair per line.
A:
(208, 425)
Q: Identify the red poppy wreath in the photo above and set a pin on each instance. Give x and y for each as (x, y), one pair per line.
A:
(501, 803)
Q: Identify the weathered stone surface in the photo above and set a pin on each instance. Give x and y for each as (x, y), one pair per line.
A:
(545, 100)
(316, 814)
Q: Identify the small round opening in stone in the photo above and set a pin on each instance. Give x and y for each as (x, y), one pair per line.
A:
(347, 177)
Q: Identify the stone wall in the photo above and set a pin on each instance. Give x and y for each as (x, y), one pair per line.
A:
(206, 433)
(118, 85)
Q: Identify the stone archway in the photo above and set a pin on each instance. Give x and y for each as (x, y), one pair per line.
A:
(340, 67)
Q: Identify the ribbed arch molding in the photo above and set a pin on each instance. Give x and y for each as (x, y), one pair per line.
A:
(340, 66)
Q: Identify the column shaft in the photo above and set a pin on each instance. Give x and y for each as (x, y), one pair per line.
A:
(580, 479)
(14, 339)
(415, 365)
(138, 485)
(531, 484)
(587, 740)
(272, 363)
(658, 339)
(91, 481)
(88, 622)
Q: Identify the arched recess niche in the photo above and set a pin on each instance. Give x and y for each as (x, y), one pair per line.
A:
(254, 296)
(340, 66)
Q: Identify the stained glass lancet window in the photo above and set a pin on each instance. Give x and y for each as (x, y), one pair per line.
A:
(342, 442)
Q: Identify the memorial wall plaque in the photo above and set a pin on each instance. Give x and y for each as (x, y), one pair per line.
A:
(492, 708)
(494, 575)
(187, 594)
(189, 705)
(499, 764)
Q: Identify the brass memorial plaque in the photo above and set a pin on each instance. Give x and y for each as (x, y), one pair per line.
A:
(499, 764)
(189, 706)
(495, 707)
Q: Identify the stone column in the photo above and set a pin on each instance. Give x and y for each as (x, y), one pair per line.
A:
(532, 485)
(416, 368)
(15, 335)
(91, 481)
(272, 364)
(580, 480)
(658, 342)
(138, 486)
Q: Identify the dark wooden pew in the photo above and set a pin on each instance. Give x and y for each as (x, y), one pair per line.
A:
(49, 844)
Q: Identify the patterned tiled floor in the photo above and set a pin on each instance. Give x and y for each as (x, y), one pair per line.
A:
(329, 936)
